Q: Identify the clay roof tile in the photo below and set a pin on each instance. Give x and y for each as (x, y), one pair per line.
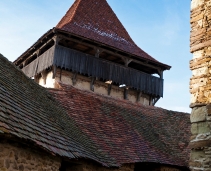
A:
(95, 20)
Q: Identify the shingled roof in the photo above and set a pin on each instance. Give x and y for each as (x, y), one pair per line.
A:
(86, 125)
(95, 20)
(29, 112)
(128, 132)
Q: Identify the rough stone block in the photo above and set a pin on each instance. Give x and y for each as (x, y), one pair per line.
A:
(197, 154)
(194, 128)
(198, 114)
(196, 3)
(198, 54)
(195, 164)
(197, 18)
(200, 71)
(209, 109)
(203, 127)
(200, 144)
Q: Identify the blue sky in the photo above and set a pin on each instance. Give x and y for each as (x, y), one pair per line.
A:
(159, 27)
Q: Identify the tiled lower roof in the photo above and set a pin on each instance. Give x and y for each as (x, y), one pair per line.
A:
(106, 130)
(28, 111)
(128, 132)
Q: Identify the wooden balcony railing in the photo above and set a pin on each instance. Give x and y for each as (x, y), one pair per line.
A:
(82, 63)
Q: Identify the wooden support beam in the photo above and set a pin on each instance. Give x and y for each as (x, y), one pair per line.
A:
(139, 96)
(74, 45)
(88, 50)
(54, 71)
(160, 73)
(155, 100)
(126, 60)
(36, 78)
(74, 78)
(24, 63)
(60, 74)
(126, 93)
(92, 83)
(109, 89)
(97, 52)
(44, 44)
(113, 53)
(38, 52)
(56, 39)
(150, 100)
(44, 76)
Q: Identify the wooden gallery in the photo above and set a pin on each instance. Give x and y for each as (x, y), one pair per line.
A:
(82, 99)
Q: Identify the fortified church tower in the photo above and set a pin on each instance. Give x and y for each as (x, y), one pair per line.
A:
(200, 89)
(90, 49)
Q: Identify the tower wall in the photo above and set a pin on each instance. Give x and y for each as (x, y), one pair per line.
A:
(200, 85)
(83, 83)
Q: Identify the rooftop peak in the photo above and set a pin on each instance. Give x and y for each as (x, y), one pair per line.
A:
(95, 16)
(95, 20)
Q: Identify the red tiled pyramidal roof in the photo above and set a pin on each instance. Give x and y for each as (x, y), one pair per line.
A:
(128, 132)
(95, 20)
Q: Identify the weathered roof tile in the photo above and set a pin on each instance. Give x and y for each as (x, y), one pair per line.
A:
(126, 131)
(109, 131)
(95, 20)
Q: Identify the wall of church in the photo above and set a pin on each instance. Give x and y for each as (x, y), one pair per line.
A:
(200, 89)
(90, 166)
(14, 157)
(83, 83)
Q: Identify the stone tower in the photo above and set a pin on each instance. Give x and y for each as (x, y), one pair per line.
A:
(91, 50)
(200, 46)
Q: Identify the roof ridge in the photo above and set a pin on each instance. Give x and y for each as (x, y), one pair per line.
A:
(67, 88)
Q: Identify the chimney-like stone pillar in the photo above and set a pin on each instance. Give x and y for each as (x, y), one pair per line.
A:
(200, 85)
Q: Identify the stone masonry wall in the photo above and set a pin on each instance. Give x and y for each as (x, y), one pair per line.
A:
(91, 166)
(14, 157)
(200, 42)
(200, 85)
(83, 83)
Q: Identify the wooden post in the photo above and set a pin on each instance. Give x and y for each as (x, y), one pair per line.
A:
(160, 72)
(150, 100)
(139, 96)
(127, 61)
(36, 79)
(56, 39)
(74, 78)
(54, 71)
(44, 76)
(126, 93)
(155, 100)
(60, 75)
(24, 63)
(109, 88)
(97, 53)
(92, 83)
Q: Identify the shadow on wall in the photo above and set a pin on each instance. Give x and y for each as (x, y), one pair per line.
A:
(157, 167)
